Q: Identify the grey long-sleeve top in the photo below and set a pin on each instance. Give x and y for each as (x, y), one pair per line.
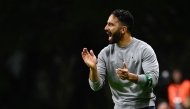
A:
(140, 59)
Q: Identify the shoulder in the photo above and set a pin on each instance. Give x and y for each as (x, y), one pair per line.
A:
(144, 47)
(105, 52)
(186, 82)
(107, 49)
(141, 44)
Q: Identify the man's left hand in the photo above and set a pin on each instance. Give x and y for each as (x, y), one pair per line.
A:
(123, 73)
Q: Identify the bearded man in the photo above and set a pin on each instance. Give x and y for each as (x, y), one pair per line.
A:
(129, 64)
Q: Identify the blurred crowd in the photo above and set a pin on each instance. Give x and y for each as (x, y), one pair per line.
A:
(178, 91)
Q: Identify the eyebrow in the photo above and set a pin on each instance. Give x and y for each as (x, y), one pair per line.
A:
(110, 23)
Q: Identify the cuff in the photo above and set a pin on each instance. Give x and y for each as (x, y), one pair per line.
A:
(141, 80)
(94, 85)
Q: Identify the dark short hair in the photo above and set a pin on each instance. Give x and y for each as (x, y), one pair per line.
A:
(125, 17)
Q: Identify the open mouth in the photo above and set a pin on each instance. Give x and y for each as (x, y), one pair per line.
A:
(109, 34)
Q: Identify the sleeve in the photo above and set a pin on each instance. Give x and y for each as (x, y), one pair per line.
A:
(101, 67)
(150, 67)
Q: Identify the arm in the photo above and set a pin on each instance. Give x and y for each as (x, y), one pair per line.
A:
(150, 67)
(93, 74)
(90, 60)
(95, 79)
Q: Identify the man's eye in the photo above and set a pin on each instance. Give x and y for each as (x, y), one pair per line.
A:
(110, 24)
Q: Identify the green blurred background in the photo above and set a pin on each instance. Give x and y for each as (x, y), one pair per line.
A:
(41, 43)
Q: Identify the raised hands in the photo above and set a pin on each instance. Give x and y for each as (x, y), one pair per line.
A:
(89, 58)
(123, 73)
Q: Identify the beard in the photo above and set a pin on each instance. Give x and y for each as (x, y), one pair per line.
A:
(115, 37)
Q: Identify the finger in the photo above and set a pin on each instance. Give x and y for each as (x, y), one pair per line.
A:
(120, 70)
(123, 78)
(83, 55)
(123, 72)
(84, 52)
(84, 49)
(117, 72)
(124, 65)
(91, 53)
(120, 75)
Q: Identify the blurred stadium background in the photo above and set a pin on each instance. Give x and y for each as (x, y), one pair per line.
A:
(41, 43)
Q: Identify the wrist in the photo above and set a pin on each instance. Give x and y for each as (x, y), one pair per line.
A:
(94, 68)
(94, 74)
(132, 77)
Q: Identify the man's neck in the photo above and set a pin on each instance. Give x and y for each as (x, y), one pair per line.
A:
(126, 40)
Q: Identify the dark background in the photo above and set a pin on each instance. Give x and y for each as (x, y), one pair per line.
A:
(41, 43)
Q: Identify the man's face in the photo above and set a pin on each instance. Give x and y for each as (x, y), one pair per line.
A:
(113, 29)
(177, 76)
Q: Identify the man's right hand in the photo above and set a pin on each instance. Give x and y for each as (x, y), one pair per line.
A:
(89, 58)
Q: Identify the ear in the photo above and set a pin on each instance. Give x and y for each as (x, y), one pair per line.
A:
(123, 29)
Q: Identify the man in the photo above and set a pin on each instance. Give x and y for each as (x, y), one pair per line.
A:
(129, 64)
(178, 90)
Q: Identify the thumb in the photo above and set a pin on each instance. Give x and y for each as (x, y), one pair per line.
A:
(124, 65)
(91, 52)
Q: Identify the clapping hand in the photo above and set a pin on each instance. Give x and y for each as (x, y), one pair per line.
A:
(89, 58)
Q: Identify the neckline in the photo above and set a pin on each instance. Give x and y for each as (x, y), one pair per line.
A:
(126, 45)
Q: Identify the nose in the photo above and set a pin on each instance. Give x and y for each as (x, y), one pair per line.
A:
(106, 27)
